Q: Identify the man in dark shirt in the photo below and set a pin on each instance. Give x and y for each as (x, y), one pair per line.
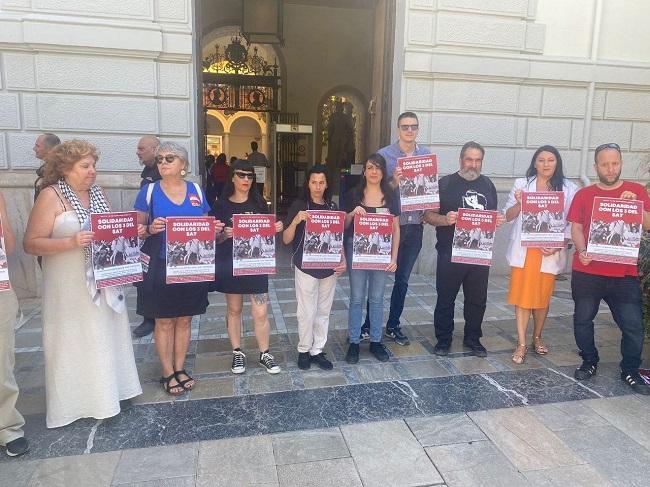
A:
(467, 188)
(42, 146)
(146, 152)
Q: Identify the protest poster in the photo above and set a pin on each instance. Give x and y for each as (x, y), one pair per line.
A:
(323, 241)
(253, 244)
(372, 241)
(115, 248)
(260, 174)
(5, 285)
(418, 186)
(190, 249)
(615, 230)
(542, 219)
(474, 237)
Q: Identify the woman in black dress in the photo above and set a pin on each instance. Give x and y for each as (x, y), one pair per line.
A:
(240, 196)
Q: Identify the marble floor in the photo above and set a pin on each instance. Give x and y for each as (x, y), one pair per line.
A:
(416, 420)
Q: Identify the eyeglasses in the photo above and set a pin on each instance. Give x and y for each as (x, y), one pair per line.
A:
(168, 159)
(245, 175)
(406, 127)
(611, 145)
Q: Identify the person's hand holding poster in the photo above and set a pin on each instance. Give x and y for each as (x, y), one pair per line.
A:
(115, 250)
(418, 184)
(253, 244)
(615, 230)
(474, 237)
(372, 241)
(542, 219)
(323, 241)
(190, 249)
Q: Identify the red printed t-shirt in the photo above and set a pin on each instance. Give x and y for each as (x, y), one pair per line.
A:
(580, 212)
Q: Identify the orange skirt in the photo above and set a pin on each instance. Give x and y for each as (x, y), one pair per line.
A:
(530, 288)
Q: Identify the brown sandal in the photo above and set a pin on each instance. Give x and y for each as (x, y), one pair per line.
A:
(520, 354)
(540, 348)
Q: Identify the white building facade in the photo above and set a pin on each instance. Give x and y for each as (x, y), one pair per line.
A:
(510, 74)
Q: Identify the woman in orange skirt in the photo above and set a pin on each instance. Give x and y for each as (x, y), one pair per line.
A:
(534, 269)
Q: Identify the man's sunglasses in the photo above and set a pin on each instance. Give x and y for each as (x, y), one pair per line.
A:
(611, 145)
(406, 127)
(245, 175)
(168, 159)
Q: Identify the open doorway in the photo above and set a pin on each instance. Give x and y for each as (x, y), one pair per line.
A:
(277, 77)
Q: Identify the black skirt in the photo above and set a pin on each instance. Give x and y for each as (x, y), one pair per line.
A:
(172, 300)
(226, 283)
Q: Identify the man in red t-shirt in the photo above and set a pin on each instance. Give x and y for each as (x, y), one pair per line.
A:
(617, 284)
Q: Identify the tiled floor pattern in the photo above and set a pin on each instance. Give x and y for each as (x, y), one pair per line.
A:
(591, 443)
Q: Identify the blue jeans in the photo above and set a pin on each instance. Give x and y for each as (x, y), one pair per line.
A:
(364, 284)
(410, 243)
(623, 296)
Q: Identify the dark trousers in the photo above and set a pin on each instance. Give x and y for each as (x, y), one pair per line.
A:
(449, 277)
(410, 243)
(623, 296)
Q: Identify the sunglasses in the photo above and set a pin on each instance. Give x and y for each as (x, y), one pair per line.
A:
(245, 175)
(168, 159)
(406, 127)
(611, 145)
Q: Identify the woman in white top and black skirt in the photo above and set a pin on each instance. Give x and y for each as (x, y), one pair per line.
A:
(240, 196)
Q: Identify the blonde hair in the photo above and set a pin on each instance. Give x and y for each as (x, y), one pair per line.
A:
(62, 157)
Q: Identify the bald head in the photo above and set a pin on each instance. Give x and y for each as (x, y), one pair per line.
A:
(146, 151)
(44, 143)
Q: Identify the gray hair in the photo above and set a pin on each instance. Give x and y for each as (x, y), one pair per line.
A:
(50, 139)
(174, 148)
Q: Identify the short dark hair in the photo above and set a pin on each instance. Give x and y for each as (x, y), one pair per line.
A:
(50, 139)
(472, 145)
(316, 169)
(254, 145)
(406, 115)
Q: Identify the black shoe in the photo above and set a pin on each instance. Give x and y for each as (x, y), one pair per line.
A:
(634, 380)
(145, 328)
(442, 348)
(303, 361)
(322, 361)
(238, 362)
(365, 334)
(475, 347)
(268, 362)
(397, 336)
(352, 357)
(586, 371)
(17, 447)
(379, 351)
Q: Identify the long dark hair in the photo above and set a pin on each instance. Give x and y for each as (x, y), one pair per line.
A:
(305, 195)
(253, 195)
(556, 183)
(377, 160)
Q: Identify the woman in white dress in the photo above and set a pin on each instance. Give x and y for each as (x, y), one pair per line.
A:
(89, 362)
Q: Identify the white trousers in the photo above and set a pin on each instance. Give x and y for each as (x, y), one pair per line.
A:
(315, 297)
(11, 422)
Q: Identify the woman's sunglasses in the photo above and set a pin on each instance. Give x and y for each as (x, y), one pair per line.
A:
(167, 159)
(245, 175)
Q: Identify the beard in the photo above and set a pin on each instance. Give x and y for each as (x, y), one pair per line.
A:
(469, 174)
(607, 182)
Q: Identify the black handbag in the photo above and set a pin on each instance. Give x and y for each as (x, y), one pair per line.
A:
(149, 256)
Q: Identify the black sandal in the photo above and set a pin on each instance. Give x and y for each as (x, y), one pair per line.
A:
(184, 382)
(168, 389)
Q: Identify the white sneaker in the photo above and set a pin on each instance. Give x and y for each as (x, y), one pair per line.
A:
(238, 362)
(268, 362)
